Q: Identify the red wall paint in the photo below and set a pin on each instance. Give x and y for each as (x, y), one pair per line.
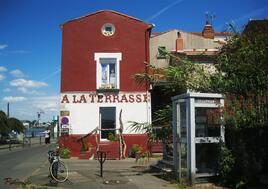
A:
(82, 37)
(112, 148)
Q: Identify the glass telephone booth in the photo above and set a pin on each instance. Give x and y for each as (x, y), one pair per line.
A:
(197, 130)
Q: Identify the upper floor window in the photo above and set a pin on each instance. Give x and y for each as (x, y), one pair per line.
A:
(108, 73)
(108, 70)
(108, 29)
(161, 52)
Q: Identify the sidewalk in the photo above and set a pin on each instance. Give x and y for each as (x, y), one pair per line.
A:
(84, 174)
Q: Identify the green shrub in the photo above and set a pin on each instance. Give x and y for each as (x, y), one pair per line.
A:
(113, 137)
(65, 153)
(226, 162)
(135, 148)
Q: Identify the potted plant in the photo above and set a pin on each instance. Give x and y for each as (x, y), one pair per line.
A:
(135, 148)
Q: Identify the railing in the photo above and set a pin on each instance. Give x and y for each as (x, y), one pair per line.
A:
(94, 131)
(27, 141)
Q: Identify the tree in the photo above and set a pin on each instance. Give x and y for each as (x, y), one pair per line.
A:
(243, 65)
(175, 79)
(15, 125)
(243, 77)
(9, 124)
(3, 123)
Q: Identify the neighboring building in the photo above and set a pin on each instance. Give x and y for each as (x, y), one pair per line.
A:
(101, 52)
(256, 26)
(200, 47)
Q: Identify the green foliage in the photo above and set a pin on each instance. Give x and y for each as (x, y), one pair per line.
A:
(243, 77)
(135, 148)
(245, 111)
(178, 77)
(160, 129)
(240, 184)
(65, 153)
(242, 65)
(3, 123)
(9, 124)
(15, 124)
(226, 162)
(113, 137)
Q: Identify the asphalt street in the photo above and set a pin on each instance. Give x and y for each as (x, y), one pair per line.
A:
(20, 163)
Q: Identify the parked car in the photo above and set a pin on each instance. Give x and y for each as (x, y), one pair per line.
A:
(9, 139)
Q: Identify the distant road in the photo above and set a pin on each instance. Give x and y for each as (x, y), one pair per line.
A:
(21, 163)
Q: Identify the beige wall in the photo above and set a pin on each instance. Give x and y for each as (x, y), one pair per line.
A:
(191, 41)
(168, 40)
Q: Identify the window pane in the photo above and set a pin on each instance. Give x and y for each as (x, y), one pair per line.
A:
(107, 60)
(107, 121)
(104, 73)
(108, 28)
(206, 158)
(183, 119)
(108, 73)
(112, 75)
(207, 122)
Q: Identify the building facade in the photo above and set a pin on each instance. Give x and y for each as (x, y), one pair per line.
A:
(101, 53)
(186, 44)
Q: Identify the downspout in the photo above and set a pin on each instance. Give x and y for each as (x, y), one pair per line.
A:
(147, 60)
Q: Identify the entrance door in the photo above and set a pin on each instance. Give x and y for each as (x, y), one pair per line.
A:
(107, 122)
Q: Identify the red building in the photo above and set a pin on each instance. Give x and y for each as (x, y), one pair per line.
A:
(101, 52)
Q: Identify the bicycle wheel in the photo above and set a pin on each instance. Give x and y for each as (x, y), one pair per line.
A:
(59, 171)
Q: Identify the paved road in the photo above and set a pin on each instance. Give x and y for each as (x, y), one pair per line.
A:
(21, 163)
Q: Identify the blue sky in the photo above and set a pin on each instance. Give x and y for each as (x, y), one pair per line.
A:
(30, 40)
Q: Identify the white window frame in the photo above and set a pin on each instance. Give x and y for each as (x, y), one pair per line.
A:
(97, 57)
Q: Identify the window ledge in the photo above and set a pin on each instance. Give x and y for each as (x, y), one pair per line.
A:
(101, 90)
(161, 57)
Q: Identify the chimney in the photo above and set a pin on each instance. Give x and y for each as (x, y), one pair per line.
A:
(179, 43)
(208, 31)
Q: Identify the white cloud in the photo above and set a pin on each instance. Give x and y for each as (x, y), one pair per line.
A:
(46, 103)
(3, 46)
(13, 98)
(27, 91)
(27, 109)
(27, 83)
(17, 73)
(2, 69)
(2, 77)
(23, 89)
(7, 90)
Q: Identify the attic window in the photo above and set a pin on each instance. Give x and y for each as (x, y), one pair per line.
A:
(108, 29)
(161, 52)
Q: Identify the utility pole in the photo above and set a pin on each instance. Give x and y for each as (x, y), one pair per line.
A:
(58, 126)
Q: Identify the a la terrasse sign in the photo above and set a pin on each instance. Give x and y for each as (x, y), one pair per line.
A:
(105, 98)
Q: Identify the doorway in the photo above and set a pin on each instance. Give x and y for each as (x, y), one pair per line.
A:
(107, 122)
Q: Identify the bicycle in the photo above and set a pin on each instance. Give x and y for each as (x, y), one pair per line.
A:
(58, 171)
